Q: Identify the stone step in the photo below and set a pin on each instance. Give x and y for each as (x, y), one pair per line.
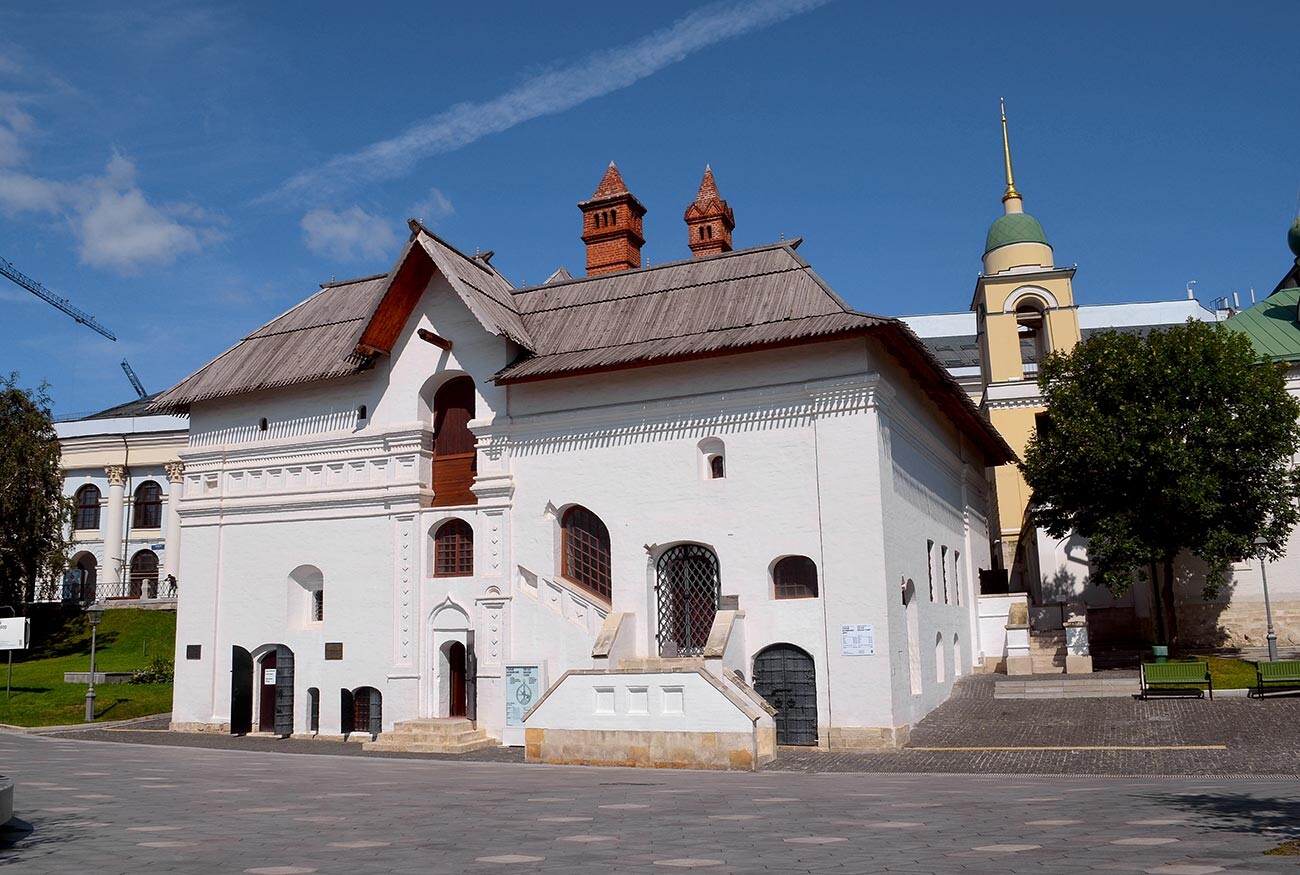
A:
(433, 735)
(417, 737)
(388, 743)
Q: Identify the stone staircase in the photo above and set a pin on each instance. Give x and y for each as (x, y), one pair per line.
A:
(1047, 650)
(433, 735)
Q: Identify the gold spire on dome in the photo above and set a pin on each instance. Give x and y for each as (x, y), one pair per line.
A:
(1011, 193)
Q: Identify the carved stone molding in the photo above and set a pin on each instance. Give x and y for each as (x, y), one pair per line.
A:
(175, 471)
(116, 475)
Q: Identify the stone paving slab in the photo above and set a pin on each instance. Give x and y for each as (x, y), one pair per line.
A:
(300, 815)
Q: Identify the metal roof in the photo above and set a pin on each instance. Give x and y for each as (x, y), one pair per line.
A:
(1272, 326)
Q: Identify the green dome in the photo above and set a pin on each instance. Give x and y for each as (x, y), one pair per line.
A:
(1293, 238)
(1015, 228)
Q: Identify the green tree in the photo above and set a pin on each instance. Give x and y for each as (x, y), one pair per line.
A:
(1181, 440)
(35, 516)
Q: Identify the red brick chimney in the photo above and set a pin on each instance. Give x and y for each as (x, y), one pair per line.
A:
(709, 221)
(611, 226)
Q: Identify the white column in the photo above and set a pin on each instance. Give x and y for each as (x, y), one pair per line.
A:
(113, 570)
(172, 552)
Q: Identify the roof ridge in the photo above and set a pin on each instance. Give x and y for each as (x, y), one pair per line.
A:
(787, 244)
(361, 279)
(708, 331)
(633, 296)
(477, 262)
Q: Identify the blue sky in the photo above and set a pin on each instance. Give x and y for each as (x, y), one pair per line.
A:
(188, 171)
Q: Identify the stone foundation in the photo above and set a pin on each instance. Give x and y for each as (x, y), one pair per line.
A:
(1241, 624)
(650, 749)
(866, 737)
(222, 728)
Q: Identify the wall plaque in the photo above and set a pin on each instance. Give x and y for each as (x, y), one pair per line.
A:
(333, 649)
(193, 651)
(857, 640)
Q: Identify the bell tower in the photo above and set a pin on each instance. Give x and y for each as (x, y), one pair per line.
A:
(611, 226)
(1024, 309)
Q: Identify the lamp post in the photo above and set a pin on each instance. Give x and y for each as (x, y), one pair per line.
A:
(94, 614)
(1268, 608)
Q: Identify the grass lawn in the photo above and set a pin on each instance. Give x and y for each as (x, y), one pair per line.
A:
(127, 639)
(1228, 674)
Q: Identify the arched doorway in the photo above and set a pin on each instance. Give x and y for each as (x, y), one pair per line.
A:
(362, 711)
(688, 589)
(455, 461)
(786, 677)
(82, 580)
(241, 691)
(273, 682)
(456, 675)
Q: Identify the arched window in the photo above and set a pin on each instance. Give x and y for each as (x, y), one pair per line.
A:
(938, 657)
(455, 461)
(689, 586)
(956, 655)
(795, 577)
(943, 571)
(613, 216)
(146, 510)
(144, 574)
(713, 454)
(87, 518)
(585, 549)
(717, 467)
(1032, 331)
(313, 713)
(306, 595)
(453, 550)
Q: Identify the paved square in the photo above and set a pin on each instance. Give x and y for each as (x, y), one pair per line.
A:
(430, 817)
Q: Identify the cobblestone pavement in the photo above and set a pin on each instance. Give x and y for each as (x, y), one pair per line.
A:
(118, 808)
(1258, 737)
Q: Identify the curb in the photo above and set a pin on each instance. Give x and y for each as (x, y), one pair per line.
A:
(82, 727)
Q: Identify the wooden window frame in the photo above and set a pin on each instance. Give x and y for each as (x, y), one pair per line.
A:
(153, 506)
(586, 556)
(87, 508)
(791, 582)
(453, 549)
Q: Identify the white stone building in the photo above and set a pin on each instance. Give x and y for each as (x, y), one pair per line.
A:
(651, 488)
(120, 468)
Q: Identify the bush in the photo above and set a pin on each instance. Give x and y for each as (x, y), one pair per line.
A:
(161, 671)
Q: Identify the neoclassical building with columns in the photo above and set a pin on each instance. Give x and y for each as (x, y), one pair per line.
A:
(661, 515)
(122, 470)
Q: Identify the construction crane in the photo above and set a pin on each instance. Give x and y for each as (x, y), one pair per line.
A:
(7, 268)
(135, 381)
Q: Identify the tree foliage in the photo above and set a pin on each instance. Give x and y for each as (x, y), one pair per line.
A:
(35, 516)
(1177, 441)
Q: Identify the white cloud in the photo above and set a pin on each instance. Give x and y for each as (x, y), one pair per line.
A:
(117, 226)
(15, 124)
(548, 93)
(350, 234)
(433, 207)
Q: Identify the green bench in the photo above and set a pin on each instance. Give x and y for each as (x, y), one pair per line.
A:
(1281, 674)
(1175, 677)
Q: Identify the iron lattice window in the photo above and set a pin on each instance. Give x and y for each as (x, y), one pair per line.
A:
(717, 468)
(688, 590)
(795, 577)
(87, 508)
(147, 509)
(453, 550)
(318, 605)
(586, 551)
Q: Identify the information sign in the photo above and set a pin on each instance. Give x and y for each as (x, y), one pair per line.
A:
(268, 676)
(857, 640)
(523, 684)
(15, 633)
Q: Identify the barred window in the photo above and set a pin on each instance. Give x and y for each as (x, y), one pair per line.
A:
(147, 508)
(87, 508)
(795, 577)
(717, 467)
(453, 550)
(318, 606)
(586, 551)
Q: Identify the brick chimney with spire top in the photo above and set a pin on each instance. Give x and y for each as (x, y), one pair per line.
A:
(611, 226)
(709, 221)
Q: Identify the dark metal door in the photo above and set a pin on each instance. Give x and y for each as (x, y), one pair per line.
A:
(376, 712)
(241, 691)
(471, 677)
(688, 586)
(283, 690)
(785, 676)
(347, 712)
(266, 683)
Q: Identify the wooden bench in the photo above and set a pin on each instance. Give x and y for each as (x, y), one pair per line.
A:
(1281, 674)
(1175, 677)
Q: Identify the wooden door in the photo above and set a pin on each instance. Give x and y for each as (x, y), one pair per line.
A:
(456, 676)
(241, 691)
(455, 461)
(785, 676)
(266, 678)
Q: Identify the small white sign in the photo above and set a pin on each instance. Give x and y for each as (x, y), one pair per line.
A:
(268, 676)
(857, 640)
(15, 633)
